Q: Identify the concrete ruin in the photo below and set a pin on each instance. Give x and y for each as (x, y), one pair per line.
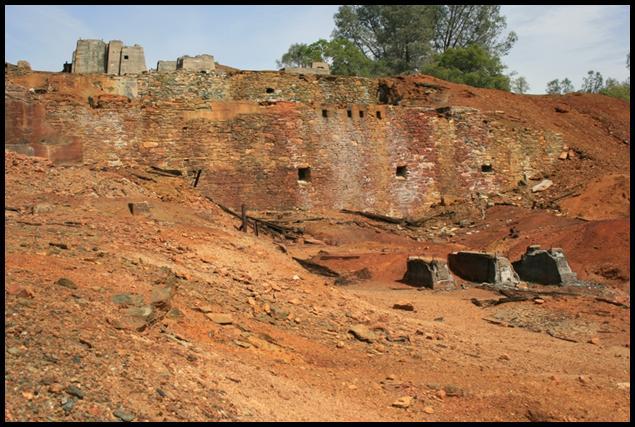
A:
(482, 267)
(428, 273)
(166, 66)
(278, 141)
(316, 68)
(195, 63)
(97, 56)
(546, 267)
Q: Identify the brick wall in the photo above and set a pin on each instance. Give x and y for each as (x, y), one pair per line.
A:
(252, 131)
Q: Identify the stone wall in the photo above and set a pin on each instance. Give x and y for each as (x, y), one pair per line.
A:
(114, 57)
(166, 66)
(95, 56)
(250, 132)
(132, 60)
(195, 63)
(89, 57)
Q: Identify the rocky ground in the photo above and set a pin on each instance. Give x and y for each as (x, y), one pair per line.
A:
(174, 314)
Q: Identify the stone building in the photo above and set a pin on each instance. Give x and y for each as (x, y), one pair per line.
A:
(203, 63)
(195, 63)
(166, 66)
(97, 56)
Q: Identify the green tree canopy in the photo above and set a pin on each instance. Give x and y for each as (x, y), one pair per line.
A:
(557, 87)
(462, 43)
(519, 85)
(471, 65)
(461, 25)
(341, 54)
(553, 87)
(592, 83)
(399, 37)
(616, 89)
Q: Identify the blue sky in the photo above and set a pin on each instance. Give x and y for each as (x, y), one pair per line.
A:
(554, 41)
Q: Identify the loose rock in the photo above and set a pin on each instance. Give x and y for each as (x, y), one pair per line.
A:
(362, 333)
(542, 186)
(67, 283)
(404, 306)
(123, 415)
(220, 318)
(403, 402)
(75, 391)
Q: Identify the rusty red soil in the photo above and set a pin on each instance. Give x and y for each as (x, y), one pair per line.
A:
(174, 314)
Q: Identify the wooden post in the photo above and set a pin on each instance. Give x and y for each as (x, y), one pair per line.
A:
(198, 175)
(256, 227)
(243, 215)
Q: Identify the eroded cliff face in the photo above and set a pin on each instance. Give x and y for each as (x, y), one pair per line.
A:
(277, 141)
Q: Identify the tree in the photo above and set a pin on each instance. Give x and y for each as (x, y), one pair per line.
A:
(300, 55)
(566, 86)
(471, 65)
(519, 85)
(557, 87)
(463, 25)
(346, 59)
(553, 87)
(616, 89)
(592, 83)
(341, 54)
(397, 37)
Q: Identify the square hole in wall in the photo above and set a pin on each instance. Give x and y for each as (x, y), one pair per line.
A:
(325, 113)
(486, 167)
(125, 57)
(304, 174)
(270, 90)
(402, 171)
(361, 114)
(349, 113)
(378, 114)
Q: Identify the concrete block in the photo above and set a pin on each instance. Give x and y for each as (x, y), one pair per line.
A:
(166, 66)
(139, 208)
(483, 267)
(89, 57)
(113, 57)
(132, 60)
(547, 267)
(195, 63)
(428, 273)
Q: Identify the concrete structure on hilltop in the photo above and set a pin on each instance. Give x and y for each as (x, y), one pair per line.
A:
(316, 68)
(97, 56)
(203, 63)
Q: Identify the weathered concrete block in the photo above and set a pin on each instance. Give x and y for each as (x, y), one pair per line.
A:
(89, 57)
(113, 58)
(132, 60)
(483, 267)
(547, 267)
(195, 63)
(139, 208)
(428, 273)
(166, 66)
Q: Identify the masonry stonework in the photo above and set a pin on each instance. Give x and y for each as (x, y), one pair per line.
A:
(250, 132)
(96, 56)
